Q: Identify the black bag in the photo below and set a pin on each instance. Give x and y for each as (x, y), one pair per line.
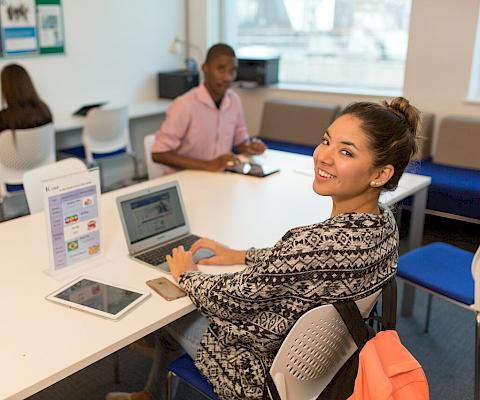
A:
(342, 385)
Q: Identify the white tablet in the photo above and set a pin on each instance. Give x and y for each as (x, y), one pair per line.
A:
(98, 297)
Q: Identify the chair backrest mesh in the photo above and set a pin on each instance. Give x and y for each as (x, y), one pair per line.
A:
(106, 131)
(317, 349)
(314, 350)
(104, 125)
(29, 148)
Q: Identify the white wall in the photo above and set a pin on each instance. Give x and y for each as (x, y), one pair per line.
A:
(440, 54)
(442, 34)
(114, 48)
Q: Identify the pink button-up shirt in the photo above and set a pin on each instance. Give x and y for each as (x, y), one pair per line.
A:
(196, 128)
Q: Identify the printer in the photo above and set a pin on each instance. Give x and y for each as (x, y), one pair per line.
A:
(174, 83)
(257, 65)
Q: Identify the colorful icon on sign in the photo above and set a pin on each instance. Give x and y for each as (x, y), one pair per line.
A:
(94, 249)
(73, 245)
(87, 201)
(71, 219)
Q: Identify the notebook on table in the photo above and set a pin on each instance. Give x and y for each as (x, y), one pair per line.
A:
(154, 222)
(83, 111)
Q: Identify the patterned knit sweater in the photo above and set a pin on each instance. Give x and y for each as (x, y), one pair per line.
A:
(346, 257)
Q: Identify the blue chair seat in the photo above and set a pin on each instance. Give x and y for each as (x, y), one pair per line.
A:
(289, 147)
(13, 187)
(440, 267)
(79, 151)
(453, 190)
(184, 368)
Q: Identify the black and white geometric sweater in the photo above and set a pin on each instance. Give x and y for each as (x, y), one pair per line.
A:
(346, 257)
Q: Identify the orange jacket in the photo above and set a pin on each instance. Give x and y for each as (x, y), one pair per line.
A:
(387, 371)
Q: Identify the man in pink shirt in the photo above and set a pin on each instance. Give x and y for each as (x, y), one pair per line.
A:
(205, 124)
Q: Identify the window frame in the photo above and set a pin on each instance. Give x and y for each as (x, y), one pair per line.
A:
(228, 34)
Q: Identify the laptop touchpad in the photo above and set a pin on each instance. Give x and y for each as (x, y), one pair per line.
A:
(202, 253)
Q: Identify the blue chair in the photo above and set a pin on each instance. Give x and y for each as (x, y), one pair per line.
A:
(450, 273)
(289, 147)
(20, 152)
(184, 368)
(105, 136)
(325, 350)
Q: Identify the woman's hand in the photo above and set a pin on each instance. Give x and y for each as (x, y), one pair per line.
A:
(223, 255)
(180, 261)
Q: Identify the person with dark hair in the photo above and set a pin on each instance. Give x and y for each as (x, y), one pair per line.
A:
(23, 107)
(205, 124)
(242, 318)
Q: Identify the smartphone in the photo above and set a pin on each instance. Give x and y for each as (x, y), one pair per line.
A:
(166, 289)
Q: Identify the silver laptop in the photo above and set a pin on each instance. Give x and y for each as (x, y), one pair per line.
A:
(154, 222)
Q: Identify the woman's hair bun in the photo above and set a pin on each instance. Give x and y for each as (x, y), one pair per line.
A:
(402, 107)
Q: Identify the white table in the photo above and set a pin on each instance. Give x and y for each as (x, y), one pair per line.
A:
(42, 342)
(66, 121)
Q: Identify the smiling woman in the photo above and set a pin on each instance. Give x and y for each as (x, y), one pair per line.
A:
(366, 149)
(243, 317)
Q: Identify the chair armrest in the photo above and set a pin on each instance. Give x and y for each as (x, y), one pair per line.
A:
(279, 380)
(476, 279)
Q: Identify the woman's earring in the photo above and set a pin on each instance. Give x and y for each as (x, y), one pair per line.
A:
(373, 183)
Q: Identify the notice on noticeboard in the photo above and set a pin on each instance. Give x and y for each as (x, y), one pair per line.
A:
(51, 35)
(50, 26)
(18, 27)
(73, 219)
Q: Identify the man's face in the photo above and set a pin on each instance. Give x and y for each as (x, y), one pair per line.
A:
(219, 74)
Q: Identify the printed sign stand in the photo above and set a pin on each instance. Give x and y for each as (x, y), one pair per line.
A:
(72, 209)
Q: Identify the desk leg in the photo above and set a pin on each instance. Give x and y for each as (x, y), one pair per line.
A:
(417, 219)
(2, 209)
(415, 237)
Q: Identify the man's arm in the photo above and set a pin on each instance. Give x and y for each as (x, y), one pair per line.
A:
(181, 162)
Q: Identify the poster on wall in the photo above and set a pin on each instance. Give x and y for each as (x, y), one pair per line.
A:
(73, 219)
(50, 26)
(18, 27)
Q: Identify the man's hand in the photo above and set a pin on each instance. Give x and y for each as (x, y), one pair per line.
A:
(180, 261)
(223, 255)
(220, 163)
(252, 146)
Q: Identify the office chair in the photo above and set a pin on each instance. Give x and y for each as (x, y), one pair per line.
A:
(105, 136)
(295, 125)
(312, 353)
(27, 149)
(33, 179)
(450, 273)
(154, 170)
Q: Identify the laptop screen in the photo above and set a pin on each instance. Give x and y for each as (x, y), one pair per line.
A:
(151, 214)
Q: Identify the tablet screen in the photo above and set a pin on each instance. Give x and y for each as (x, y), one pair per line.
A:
(98, 296)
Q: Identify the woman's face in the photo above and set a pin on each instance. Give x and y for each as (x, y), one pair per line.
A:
(343, 161)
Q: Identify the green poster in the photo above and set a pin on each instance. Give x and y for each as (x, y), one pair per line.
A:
(50, 31)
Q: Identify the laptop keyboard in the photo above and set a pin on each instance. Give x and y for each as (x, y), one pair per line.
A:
(158, 255)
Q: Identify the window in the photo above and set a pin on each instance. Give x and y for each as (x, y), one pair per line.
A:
(358, 44)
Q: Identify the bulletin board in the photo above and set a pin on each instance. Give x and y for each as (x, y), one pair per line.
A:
(29, 27)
